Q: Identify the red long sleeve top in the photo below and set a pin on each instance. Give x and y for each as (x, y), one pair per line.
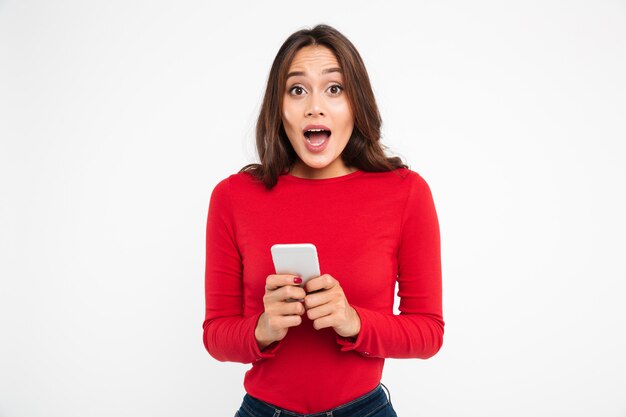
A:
(370, 230)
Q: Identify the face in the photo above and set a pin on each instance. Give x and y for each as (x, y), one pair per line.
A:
(316, 113)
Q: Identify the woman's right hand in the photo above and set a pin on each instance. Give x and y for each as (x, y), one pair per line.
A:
(281, 311)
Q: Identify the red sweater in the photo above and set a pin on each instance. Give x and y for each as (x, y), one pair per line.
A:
(370, 230)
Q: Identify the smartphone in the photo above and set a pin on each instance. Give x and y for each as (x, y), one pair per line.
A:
(296, 258)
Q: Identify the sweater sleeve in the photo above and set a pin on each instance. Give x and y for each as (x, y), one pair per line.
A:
(417, 332)
(228, 335)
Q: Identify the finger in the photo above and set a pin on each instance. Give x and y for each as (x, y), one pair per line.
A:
(274, 282)
(317, 298)
(324, 282)
(321, 311)
(287, 292)
(283, 322)
(288, 309)
(323, 322)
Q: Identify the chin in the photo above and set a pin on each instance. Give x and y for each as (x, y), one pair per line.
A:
(317, 164)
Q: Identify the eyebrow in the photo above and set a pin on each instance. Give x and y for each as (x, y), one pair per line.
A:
(326, 71)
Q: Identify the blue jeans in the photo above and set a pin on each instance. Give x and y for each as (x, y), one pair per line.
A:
(372, 404)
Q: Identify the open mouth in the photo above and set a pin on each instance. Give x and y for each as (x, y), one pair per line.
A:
(316, 137)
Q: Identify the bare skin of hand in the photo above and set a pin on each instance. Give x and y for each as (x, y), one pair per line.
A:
(280, 314)
(327, 306)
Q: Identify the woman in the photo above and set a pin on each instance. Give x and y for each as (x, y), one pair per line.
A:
(323, 179)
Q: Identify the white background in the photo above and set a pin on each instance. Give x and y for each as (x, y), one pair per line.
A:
(117, 119)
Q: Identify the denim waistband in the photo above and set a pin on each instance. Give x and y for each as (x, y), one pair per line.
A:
(363, 406)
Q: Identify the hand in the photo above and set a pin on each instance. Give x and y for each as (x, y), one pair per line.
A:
(327, 306)
(279, 314)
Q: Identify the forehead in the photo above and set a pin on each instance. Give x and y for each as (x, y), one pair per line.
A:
(313, 56)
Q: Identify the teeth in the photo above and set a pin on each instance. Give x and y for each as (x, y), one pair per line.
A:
(315, 144)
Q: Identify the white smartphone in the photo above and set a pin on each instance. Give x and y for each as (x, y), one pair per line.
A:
(296, 258)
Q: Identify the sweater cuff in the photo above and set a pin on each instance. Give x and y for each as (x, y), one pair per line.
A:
(355, 343)
(269, 351)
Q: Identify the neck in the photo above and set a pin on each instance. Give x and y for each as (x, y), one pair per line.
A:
(302, 170)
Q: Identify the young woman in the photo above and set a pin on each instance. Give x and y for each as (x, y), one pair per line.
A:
(324, 179)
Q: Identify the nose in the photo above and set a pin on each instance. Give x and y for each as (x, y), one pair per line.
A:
(314, 106)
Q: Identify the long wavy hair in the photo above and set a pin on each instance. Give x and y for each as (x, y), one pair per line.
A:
(363, 150)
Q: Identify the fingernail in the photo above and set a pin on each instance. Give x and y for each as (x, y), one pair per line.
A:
(297, 280)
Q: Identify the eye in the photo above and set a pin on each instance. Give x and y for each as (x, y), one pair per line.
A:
(335, 89)
(296, 90)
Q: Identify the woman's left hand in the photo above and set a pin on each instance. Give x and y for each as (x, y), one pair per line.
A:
(327, 306)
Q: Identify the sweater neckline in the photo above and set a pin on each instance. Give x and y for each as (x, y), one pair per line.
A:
(340, 178)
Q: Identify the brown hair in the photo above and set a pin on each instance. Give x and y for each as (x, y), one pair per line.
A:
(363, 151)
